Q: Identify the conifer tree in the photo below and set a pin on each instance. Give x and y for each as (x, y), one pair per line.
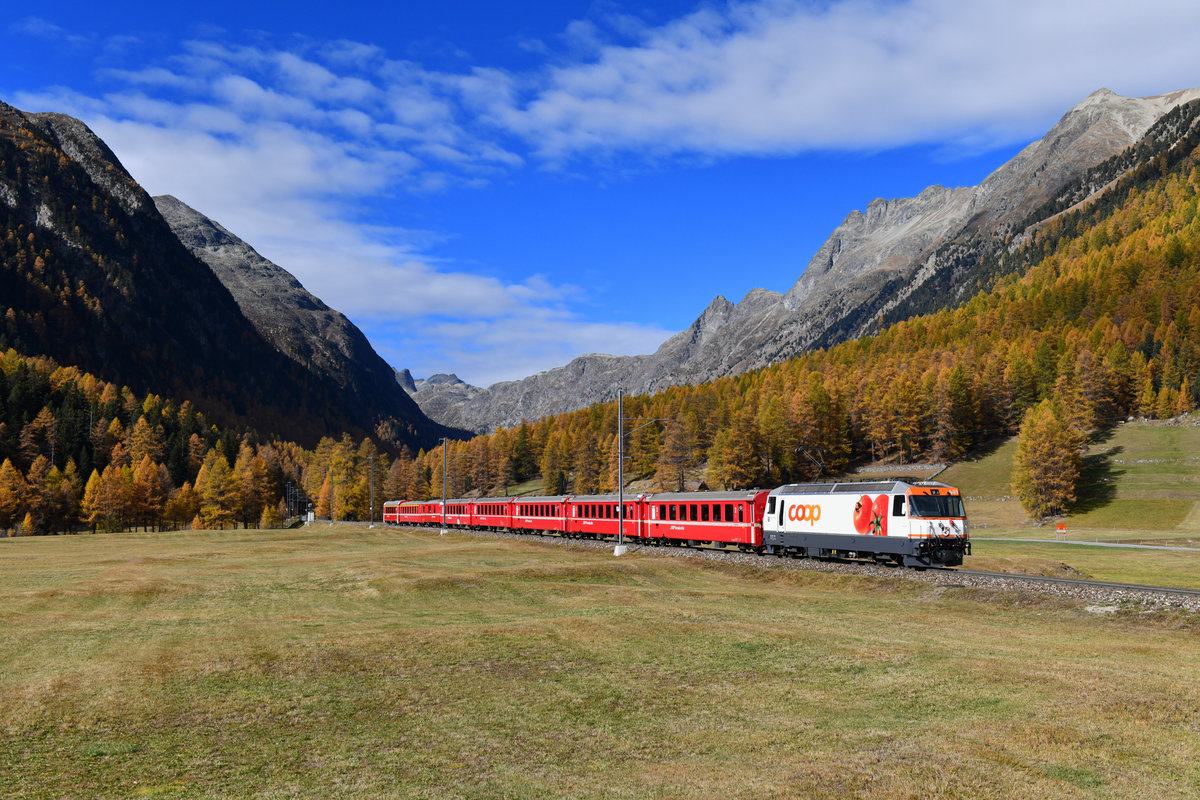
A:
(325, 497)
(1046, 465)
(217, 490)
(12, 494)
(90, 511)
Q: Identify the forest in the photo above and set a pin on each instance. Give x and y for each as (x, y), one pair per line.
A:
(1104, 325)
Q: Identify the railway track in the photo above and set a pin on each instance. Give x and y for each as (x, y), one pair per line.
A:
(1047, 579)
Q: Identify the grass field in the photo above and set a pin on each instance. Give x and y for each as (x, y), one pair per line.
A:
(1141, 484)
(1180, 569)
(342, 662)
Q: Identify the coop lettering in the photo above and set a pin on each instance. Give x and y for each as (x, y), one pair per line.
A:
(802, 513)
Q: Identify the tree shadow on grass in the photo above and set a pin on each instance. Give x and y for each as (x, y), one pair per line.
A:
(984, 449)
(1097, 480)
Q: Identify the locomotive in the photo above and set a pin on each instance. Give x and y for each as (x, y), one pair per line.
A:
(909, 523)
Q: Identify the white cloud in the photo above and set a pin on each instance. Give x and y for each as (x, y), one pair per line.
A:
(484, 352)
(784, 77)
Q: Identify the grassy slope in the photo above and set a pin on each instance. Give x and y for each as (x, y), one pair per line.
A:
(342, 662)
(1142, 483)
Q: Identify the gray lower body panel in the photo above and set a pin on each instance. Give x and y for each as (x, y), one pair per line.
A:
(911, 552)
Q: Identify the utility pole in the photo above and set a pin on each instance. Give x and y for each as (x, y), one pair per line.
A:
(371, 479)
(621, 549)
(444, 446)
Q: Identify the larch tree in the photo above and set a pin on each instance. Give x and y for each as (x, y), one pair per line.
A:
(217, 489)
(12, 494)
(325, 497)
(674, 457)
(90, 509)
(1047, 463)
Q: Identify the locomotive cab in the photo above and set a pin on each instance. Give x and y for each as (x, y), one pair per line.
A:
(936, 515)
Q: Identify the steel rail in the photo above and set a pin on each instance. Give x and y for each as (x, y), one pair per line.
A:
(1132, 587)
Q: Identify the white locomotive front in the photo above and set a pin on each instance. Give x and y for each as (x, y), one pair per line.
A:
(918, 524)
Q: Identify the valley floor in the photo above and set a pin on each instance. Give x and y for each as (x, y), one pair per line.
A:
(352, 662)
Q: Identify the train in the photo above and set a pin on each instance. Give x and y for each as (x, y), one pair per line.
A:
(904, 522)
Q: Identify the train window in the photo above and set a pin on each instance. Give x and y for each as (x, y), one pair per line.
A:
(608, 511)
(671, 512)
(729, 512)
(704, 512)
(693, 513)
(770, 506)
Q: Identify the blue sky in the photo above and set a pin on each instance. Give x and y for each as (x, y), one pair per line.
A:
(494, 188)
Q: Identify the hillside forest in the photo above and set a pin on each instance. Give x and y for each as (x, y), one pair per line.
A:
(1102, 322)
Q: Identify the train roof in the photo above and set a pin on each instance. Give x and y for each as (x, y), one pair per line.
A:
(558, 498)
(702, 497)
(605, 498)
(853, 487)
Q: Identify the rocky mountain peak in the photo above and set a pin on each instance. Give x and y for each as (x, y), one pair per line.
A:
(89, 151)
(298, 324)
(871, 264)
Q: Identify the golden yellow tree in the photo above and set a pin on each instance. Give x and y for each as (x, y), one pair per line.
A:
(1046, 465)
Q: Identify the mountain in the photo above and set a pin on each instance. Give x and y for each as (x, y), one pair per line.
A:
(92, 276)
(296, 323)
(899, 257)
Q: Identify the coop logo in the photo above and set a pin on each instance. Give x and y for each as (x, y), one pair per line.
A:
(799, 513)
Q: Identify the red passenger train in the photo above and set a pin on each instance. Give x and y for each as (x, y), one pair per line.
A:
(718, 518)
(918, 524)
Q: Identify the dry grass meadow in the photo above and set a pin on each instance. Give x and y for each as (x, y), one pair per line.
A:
(353, 663)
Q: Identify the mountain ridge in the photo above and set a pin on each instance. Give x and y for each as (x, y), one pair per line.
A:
(298, 324)
(93, 277)
(874, 257)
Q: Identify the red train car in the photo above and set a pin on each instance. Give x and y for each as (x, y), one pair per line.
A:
(458, 513)
(491, 513)
(403, 512)
(430, 512)
(539, 514)
(596, 515)
(722, 518)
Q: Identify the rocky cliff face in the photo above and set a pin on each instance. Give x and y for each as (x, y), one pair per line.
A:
(298, 324)
(870, 265)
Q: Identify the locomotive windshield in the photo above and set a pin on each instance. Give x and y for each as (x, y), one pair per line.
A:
(928, 505)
